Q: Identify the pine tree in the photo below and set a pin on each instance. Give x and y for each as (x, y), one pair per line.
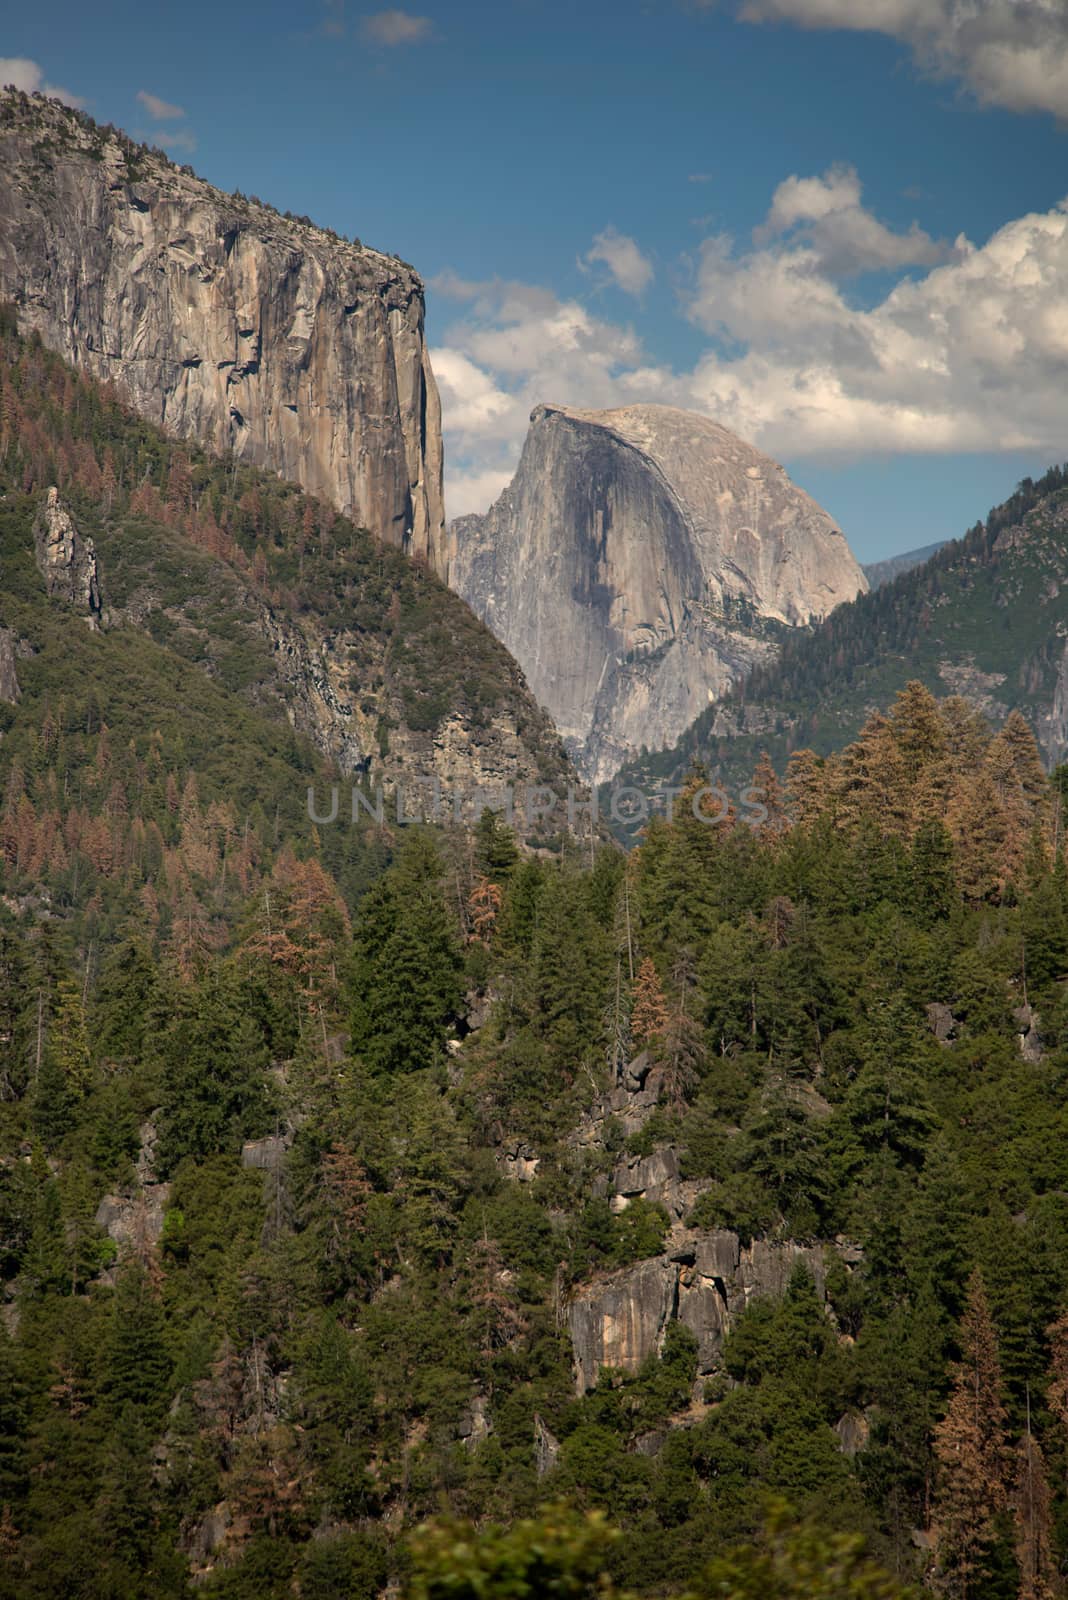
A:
(683, 1036)
(13, 1425)
(406, 965)
(869, 780)
(769, 792)
(214, 1091)
(124, 1505)
(68, 1040)
(1057, 1393)
(971, 1451)
(52, 1109)
(918, 729)
(122, 1000)
(135, 1364)
(1039, 1578)
(931, 865)
(496, 852)
(649, 1013)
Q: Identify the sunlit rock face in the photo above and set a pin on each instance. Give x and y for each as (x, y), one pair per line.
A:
(223, 321)
(642, 561)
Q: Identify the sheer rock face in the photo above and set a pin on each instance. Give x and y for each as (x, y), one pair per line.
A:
(704, 1281)
(223, 321)
(642, 561)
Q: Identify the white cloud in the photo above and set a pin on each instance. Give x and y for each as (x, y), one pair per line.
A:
(629, 269)
(826, 212)
(1011, 53)
(159, 110)
(971, 354)
(29, 77)
(395, 27)
(514, 345)
(472, 490)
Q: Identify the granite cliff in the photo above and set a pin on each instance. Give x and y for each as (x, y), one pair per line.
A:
(223, 321)
(640, 563)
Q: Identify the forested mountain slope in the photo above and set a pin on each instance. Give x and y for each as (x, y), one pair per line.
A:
(321, 1211)
(986, 617)
(274, 596)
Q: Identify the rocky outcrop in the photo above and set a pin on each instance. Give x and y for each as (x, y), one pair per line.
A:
(546, 1448)
(655, 1178)
(10, 693)
(704, 1280)
(1055, 731)
(620, 1320)
(66, 558)
(627, 1105)
(640, 563)
(1028, 1031)
(223, 321)
(475, 1423)
(267, 1155)
(133, 1217)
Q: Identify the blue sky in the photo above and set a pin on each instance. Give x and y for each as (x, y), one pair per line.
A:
(845, 244)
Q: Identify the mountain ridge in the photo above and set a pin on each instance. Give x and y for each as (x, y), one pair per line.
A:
(986, 617)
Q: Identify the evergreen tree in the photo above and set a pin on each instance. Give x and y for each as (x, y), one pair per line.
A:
(134, 1361)
(121, 1004)
(972, 1455)
(1039, 1578)
(406, 965)
(213, 1091)
(496, 852)
(649, 1013)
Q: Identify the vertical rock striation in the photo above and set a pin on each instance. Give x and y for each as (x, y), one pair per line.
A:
(641, 562)
(223, 321)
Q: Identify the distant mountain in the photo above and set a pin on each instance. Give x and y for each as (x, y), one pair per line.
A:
(986, 618)
(880, 572)
(641, 562)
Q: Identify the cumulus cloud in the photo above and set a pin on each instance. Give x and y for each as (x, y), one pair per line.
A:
(1011, 53)
(970, 354)
(159, 110)
(845, 238)
(29, 77)
(628, 268)
(392, 28)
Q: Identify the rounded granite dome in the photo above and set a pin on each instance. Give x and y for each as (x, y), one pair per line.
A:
(637, 566)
